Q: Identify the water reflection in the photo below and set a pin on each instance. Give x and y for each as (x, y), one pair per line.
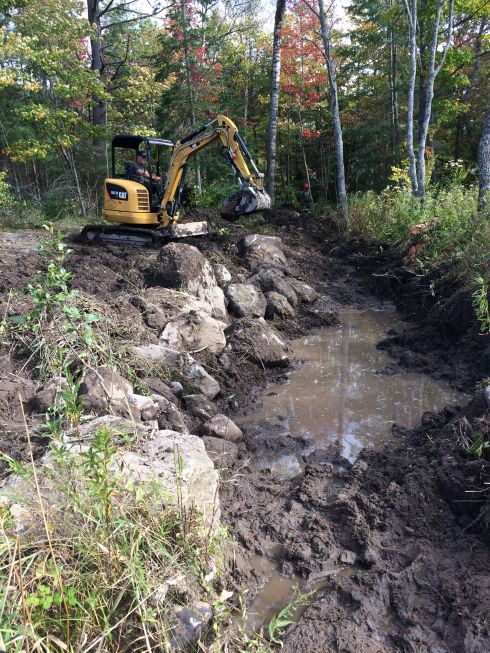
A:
(336, 394)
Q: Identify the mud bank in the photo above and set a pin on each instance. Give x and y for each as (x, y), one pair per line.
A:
(401, 518)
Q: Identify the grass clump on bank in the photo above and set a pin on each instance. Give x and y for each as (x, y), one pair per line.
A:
(105, 562)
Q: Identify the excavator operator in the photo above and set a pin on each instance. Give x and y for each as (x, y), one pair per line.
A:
(137, 169)
(137, 172)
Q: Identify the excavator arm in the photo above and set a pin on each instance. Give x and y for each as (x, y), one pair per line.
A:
(250, 198)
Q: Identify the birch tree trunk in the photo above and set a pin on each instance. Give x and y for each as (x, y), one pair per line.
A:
(432, 72)
(334, 109)
(411, 10)
(484, 165)
(417, 161)
(271, 152)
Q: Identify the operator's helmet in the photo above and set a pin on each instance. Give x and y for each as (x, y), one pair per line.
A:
(306, 186)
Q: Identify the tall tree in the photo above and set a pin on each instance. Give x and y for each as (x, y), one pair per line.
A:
(334, 109)
(484, 164)
(271, 146)
(427, 77)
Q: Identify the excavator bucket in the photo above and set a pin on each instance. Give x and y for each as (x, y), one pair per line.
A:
(245, 201)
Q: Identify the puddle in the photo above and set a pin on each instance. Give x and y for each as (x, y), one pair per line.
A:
(337, 395)
(279, 590)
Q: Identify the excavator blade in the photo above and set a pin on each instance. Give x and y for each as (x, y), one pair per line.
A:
(245, 201)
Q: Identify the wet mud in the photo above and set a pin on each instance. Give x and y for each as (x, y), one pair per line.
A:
(389, 525)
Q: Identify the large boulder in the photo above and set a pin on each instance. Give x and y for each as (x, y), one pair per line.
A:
(188, 369)
(278, 306)
(262, 250)
(183, 266)
(257, 341)
(221, 426)
(103, 389)
(272, 280)
(153, 458)
(246, 300)
(193, 331)
(165, 456)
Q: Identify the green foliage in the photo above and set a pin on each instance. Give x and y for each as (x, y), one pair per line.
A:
(459, 231)
(5, 191)
(480, 303)
(56, 332)
(110, 566)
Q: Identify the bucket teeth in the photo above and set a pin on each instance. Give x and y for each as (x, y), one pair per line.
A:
(245, 201)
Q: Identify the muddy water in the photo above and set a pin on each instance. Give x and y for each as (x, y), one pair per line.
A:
(343, 392)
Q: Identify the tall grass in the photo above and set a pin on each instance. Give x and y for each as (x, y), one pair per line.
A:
(459, 233)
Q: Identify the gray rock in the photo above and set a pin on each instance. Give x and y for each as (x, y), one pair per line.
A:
(153, 316)
(183, 266)
(270, 280)
(262, 249)
(278, 306)
(191, 372)
(486, 394)
(194, 331)
(188, 623)
(153, 460)
(246, 300)
(224, 361)
(159, 387)
(171, 418)
(200, 407)
(222, 274)
(257, 341)
(222, 452)
(306, 293)
(221, 426)
(48, 395)
(103, 388)
(177, 388)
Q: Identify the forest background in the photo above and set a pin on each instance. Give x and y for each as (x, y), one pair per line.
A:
(73, 74)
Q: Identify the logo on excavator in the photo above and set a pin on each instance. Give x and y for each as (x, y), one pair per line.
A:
(116, 192)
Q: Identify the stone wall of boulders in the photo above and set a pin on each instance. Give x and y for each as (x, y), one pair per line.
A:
(195, 307)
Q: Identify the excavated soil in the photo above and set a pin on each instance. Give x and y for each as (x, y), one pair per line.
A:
(412, 519)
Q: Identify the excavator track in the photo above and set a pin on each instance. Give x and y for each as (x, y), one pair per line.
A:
(141, 237)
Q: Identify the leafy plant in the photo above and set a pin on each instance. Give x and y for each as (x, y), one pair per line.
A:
(480, 304)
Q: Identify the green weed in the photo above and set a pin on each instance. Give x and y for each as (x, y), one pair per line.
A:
(480, 304)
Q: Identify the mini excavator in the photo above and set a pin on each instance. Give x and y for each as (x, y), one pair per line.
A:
(147, 209)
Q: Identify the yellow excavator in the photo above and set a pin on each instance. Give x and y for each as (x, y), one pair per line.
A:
(146, 207)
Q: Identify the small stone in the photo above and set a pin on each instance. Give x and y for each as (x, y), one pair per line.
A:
(171, 418)
(150, 413)
(200, 407)
(348, 557)
(221, 426)
(159, 387)
(177, 388)
(224, 361)
(222, 452)
(278, 306)
(486, 394)
(222, 274)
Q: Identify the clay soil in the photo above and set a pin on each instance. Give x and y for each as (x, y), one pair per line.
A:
(412, 519)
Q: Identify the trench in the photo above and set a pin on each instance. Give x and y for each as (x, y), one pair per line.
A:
(347, 392)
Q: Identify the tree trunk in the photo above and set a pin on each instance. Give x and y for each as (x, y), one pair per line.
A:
(411, 10)
(395, 122)
(99, 112)
(337, 125)
(462, 121)
(484, 165)
(274, 99)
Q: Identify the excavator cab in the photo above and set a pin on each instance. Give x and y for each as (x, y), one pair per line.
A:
(130, 199)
